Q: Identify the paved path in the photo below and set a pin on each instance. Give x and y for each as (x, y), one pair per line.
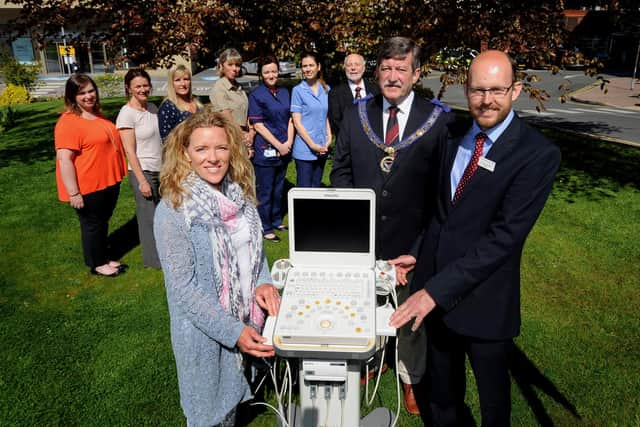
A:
(617, 93)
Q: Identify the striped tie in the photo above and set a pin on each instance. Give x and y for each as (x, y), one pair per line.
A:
(393, 129)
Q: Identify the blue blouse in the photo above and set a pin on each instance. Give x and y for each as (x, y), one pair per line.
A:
(313, 109)
(273, 112)
(169, 116)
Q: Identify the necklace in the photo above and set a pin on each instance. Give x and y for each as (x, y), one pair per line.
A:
(391, 150)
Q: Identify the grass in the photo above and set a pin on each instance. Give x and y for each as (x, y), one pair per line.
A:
(81, 350)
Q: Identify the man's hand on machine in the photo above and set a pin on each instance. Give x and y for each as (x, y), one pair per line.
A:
(251, 342)
(268, 297)
(403, 265)
(416, 306)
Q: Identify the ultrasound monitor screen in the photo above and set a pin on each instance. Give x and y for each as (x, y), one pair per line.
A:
(330, 225)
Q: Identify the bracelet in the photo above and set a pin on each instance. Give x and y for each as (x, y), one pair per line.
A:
(74, 195)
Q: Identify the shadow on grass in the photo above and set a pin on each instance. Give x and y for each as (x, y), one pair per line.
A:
(592, 168)
(527, 376)
(31, 139)
(124, 239)
(599, 127)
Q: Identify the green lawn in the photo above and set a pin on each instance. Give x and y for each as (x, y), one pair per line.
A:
(76, 349)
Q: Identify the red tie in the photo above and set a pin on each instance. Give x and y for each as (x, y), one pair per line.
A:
(358, 94)
(393, 129)
(471, 166)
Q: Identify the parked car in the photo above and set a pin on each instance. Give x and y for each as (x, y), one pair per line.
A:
(449, 59)
(287, 68)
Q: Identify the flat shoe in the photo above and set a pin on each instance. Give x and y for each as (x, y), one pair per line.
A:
(282, 227)
(114, 274)
(120, 266)
(274, 238)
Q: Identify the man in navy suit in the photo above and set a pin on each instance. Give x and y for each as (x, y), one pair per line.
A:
(492, 185)
(355, 88)
(394, 158)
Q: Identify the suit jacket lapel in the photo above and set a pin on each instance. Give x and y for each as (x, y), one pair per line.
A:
(374, 112)
(348, 95)
(448, 157)
(497, 153)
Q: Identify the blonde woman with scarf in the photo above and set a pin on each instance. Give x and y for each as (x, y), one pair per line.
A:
(209, 239)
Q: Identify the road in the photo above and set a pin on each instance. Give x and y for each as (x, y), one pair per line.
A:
(617, 124)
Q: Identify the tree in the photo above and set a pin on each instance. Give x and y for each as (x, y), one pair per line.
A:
(286, 26)
(534, 31)
(160, 28)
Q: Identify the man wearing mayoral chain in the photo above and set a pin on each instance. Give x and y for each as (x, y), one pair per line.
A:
(387, 143)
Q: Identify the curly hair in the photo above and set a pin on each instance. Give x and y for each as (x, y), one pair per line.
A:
(71, 89)
(176, 167)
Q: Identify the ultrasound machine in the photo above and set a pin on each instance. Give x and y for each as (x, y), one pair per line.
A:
(332, 317)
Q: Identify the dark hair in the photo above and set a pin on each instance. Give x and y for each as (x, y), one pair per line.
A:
(399, 48)
(311, 54)
(71, 89)
(266, 60)
(318, 60)
(132, 74)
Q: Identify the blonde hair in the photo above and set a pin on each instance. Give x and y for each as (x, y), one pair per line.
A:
(176, 167)
(231, 55)
(171, 90)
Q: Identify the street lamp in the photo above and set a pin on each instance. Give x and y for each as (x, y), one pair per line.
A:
(66, 52)
(635, 66)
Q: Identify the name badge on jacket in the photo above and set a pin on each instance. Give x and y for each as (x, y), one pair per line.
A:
(487, 164)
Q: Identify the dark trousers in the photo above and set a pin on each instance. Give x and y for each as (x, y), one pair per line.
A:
(309, 172)
(447, 377)
(269, 191)
(94, 224)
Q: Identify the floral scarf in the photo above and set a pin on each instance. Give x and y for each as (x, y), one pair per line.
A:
(201, 205)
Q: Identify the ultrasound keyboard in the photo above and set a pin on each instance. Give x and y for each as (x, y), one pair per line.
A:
(327, 308)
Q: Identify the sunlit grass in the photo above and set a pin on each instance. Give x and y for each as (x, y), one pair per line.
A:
(81, 350)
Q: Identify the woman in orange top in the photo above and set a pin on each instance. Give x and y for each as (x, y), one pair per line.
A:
(90, 164)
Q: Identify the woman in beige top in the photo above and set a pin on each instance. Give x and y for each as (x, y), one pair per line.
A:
(228, 97)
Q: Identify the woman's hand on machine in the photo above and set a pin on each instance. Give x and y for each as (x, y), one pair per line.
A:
(268, 297)
(251, 342)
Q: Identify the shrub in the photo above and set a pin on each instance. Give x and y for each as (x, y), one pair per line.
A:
(13, 72)
(7, 119)
(424, 92)
(14, 94)
(110, 85)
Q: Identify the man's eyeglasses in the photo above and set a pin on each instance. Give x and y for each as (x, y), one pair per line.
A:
(497, 92)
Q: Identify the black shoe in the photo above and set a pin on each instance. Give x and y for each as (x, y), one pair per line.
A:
(282, 227)
(274, 239)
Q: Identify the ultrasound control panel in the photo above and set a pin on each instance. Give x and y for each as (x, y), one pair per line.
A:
(327, 311)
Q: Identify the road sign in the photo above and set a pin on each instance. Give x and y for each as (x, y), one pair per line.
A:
(67, 50)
